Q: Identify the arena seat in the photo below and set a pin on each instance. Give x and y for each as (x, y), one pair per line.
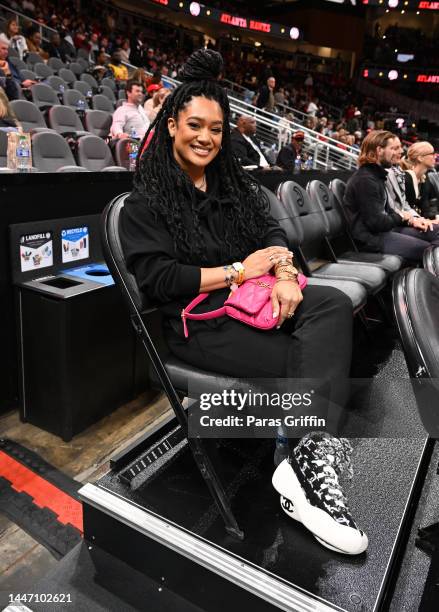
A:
(109, 93)
(3, 149)
(109, 82)
(416, 307)
(84, 88)
(121, 153)
(431, 260)
(173, 376)
(84, 63)
(72, 97)
(42, 70)
(28, 74)
(76, 68)
(51, 153)
(65, 121)
(29, 115)
(88, 78)
(43, 96)
(33, 58)
(336, 228)
(56, 83)
(83, 53)
(94, 154)
(18, 63)
(56, 64)
(102, 103)
(315, 257)
(98, 122)
(68, 76)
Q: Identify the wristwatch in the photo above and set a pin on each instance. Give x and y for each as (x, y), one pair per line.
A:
(240, 270)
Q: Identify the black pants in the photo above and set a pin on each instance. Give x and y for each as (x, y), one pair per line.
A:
(316, 343)
(409, 242)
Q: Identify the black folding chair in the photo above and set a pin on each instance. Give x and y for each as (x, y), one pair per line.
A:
(174, 375)
(431, 260)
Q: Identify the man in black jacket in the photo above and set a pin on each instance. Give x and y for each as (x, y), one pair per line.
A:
(243, 145)
(374, 224)
(287, 156)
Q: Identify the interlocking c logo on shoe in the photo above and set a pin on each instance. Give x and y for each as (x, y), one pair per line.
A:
(287, 505)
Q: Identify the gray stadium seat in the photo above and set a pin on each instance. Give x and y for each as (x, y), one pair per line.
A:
(68, 76)
(109, 82)
(55, 63)
(76, 68)
(102, 103)
(29, 115)
(3, 149)
(33, 58)
(83, 53)
(50, 152)
(98, 122)
(121, 152)
(28, 74)
(84, 63)
(109, 93)
(65, 121)
(122, 94)
(430, 260)
(84, 88)
(94, 154)
(18, 63)
(57, 84)
(43, 96)
(71, 98)
(41, 70)
(88, 78)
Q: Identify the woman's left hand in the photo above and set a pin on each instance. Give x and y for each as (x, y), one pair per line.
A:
(285, 298)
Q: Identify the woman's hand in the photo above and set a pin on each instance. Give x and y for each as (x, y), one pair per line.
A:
(260, 262)
(285, 298)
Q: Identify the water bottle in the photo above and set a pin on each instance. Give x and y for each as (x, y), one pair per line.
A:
(80, 105)
(297, 165)
(89, 93)
(308, 164)
(23, 154)
(62, 88)
(133, 150)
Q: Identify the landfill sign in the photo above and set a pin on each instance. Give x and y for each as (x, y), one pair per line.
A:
(36, 251)
(75, 244)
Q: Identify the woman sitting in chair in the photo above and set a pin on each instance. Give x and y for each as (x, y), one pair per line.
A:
(196, 222)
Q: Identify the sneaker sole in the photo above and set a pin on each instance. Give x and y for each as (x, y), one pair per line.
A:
(318, 522)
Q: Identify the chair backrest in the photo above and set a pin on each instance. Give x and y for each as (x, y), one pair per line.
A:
(33, 58)
(109, 93)
(72, 98)
(84, 63)
(43, 95)
(64, 120)
(306, 216)
(3, 149)
(88, 78)
(42, 70)
(76, 68)
(122, 95)
(68, 76)
(338, 188)
(83, 87)
(98, 122)
(121, 152)
(57, 84)
(55, 63)
(50, 152)
(334, 219)
(28, 114)
(18, 63)
(94, 153)
(28, 74)
(433, 177)
(430, 260)
(281, 213)
(83, 53)
(108, 82)
(102, 103)
(416, 307)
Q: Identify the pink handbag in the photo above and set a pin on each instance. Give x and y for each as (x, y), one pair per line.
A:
(250, 304)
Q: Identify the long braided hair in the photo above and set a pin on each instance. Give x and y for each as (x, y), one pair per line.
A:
(168, 190)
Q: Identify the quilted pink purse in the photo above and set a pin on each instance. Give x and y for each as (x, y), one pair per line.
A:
(250, 304)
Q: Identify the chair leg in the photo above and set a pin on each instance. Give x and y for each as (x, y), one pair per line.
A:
(205, 465)
(384, 311)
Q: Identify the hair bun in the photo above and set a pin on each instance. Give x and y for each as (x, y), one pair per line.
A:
(203, 65)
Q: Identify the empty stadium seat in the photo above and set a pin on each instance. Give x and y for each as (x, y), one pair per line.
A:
(71, 98)
(28, 74)
(3, 149)
(55, 63)
(88, 78)
(98, 122)
(102, 103)
(109, 93)
(68, 76)
(43, 96)
(94, 154)
(314, 255)
(108, 82)
(51, 153)
(122, 94)
(29, 115)
(33, 58)
(43, 71)
(76, 68)
(57, 83)
(84, 88)
(65, 121)
(121, 151)
(84, 63)
(337, 231)
(18, 63)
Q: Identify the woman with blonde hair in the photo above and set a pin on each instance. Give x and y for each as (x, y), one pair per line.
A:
(7, 115)
(420, 158)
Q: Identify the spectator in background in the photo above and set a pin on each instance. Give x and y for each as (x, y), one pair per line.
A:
(10, 76)
(93, 47)
(34, 43)
(287, 156)
(154, 104)
(101, 69)
(243, 146)
(130, 120)
(7, 115)
(54, 48)
(125, 51)
(120, 72)
(140, 76)
(265, 96)
(420, 159)
(312, 107)
(13, 38)
(136, 45)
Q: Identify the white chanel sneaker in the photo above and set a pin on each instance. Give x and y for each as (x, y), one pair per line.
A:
(311, 493)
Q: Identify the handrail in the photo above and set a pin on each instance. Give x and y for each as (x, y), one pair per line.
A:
(40, 26)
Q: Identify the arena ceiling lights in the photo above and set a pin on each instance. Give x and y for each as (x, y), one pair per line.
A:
(197, 10)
